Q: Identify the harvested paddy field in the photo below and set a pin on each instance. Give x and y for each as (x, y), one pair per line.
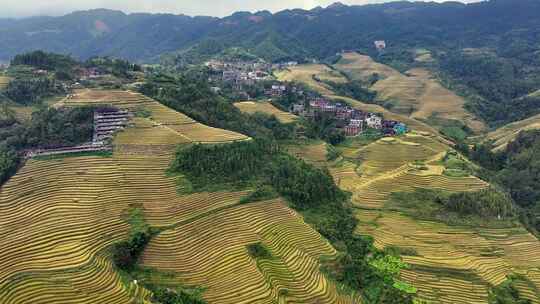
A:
(448, 263)
(252, 107)
(60, 218)
(504, 135)
(416, 93)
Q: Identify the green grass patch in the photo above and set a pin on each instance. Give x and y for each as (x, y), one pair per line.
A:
(332, 153)
(367, 137)
(450, 128)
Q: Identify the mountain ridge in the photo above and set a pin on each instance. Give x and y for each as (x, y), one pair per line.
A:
(354, 26)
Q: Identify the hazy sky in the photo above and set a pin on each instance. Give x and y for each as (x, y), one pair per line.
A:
(23, 8)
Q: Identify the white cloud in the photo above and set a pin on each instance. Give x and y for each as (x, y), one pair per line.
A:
(20, 8)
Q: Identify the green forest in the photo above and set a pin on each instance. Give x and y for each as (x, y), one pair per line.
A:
(517, 170)
(48, 128)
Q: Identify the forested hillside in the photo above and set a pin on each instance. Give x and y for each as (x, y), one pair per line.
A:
(510, 26)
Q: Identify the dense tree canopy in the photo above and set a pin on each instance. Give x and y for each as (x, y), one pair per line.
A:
(29, 91)
(517, 169)
(45, 61)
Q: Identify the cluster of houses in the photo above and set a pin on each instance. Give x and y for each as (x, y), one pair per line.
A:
(89, 73)
(239, 72)
(351, 121)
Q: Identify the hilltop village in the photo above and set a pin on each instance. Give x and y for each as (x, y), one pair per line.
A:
(243, 76)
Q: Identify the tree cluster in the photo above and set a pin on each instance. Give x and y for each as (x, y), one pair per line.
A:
(30, 91)
(45, 61)
(48, 128)
(117, 67)
(497, 86)
(127, 253)
(168, 296)
(486, 203)
(516, 169)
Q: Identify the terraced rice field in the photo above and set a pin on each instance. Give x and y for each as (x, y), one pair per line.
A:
(4, 82)
(456, 264)
(416, 93)
(308, 73)
(504, 135)
(22, 113)
(451, 264)
(252, 107)
(312, 152)
(230, 274)
(164, 121)
(362, 67)
(387, 166)
(60, 217)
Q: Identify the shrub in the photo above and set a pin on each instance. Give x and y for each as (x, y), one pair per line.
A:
(167, 296)
(258, 251)
(127, 253)
(262, 193)
(507, 293)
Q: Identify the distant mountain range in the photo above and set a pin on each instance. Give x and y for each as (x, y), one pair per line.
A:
(289, 34)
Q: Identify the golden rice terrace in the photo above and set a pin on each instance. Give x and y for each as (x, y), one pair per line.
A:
(60, 218)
